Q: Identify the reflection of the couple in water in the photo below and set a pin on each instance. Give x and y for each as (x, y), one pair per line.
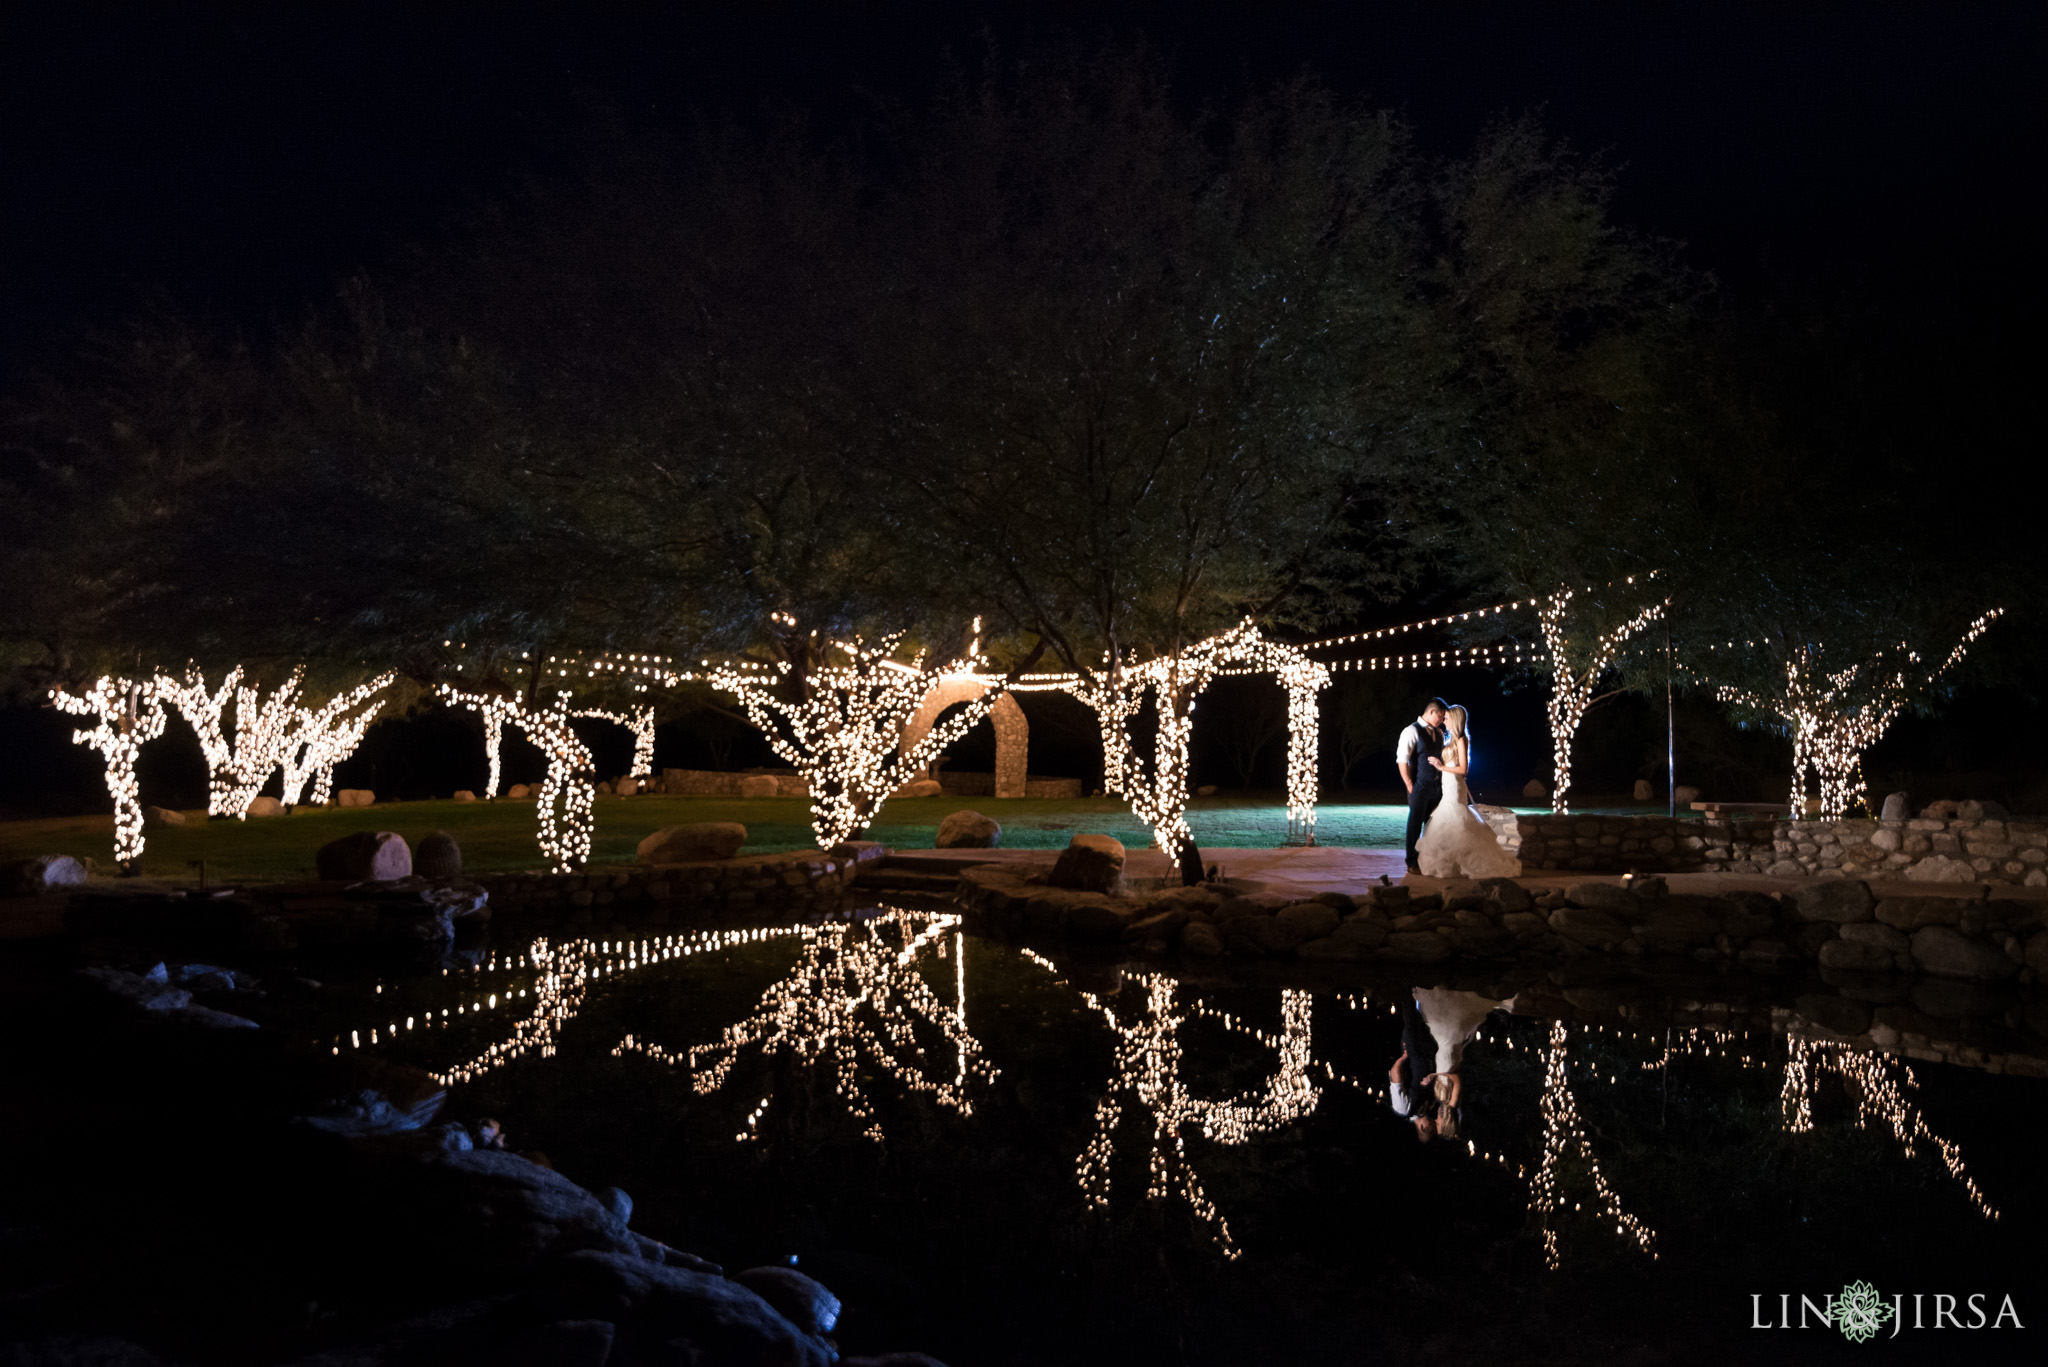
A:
(860, 1006)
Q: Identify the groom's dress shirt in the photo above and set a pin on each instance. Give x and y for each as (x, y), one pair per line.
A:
(1409, 750)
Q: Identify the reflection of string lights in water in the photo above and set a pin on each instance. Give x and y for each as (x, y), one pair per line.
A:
(1148, 1065)
(1563, 1131)
(855, 997)
(1878, 1095)
(562, 973)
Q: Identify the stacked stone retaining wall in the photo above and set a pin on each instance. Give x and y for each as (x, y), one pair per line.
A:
(713, 783)
(2008, 851)
(663, 894)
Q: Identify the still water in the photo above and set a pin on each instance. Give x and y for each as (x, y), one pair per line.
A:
(1003, 1159)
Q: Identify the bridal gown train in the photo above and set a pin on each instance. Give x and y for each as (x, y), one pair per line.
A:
(1458, 844)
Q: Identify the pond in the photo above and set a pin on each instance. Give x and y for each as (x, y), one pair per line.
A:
(1003, 1159)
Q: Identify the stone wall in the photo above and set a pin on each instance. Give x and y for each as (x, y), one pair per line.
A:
(664, 894)
(984, 785)
(712, 783)
(1941, 845)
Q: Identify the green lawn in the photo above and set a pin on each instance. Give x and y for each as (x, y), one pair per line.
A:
(500, 835)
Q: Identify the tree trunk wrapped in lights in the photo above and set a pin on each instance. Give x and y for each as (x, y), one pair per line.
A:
(130, 712)
(1159, 797)
(321, 739)
(640, 721)
(262, 740)
(567, 793)
(1835, 717)
(205, 710)
(1576, 669)
(846, 735)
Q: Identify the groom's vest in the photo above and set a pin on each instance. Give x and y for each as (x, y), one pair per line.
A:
(1430, 745)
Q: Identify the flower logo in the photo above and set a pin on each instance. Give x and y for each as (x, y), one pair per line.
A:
(1860, 1312)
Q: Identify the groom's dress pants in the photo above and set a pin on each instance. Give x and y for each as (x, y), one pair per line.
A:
(1421, 802)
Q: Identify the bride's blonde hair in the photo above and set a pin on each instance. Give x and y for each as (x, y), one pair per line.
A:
(1446, 1114)
(1456, 718)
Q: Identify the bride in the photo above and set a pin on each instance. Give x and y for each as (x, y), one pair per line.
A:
(1457, 843)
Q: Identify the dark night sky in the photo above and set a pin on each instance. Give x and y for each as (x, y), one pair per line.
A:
(237, 160)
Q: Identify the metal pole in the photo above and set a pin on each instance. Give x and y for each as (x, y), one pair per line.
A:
(1670, 727)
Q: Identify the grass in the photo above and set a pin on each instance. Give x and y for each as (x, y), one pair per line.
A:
(499, 836)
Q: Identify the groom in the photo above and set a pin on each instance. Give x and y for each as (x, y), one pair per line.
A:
(1420, 744)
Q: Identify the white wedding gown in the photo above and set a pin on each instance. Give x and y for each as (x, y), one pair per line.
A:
(1457, 843)
(1453, 1018)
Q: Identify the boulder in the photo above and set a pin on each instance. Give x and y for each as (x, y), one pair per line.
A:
(1642, 791)
(626, 787)
(1588, 926)
(1746, 914)
(1908, 914)
(1679, 923)
(1944, 810)
(693, 841)
(519, 790)
(1365, 930)
(355, 797)
(799, 1299)
(1856, 956)
(968, 830)
(1948, 953)
(264, 806)
(1939, 868)
(602, 789)
(1206, 790)
(1200, 939)
(1890, 940)
(44, 873)
(366, 856)
(1608, 897)
(1092, 863)
(673, 1314)
(2037, 953)
(1895, 808)
(162, 816)
(438, 856)
(922, 787)
(1415, 947)
(1840, 902)
(1307, 920)
(464, 795)
(1534, 788)
(1974, 810)
(1685, 795)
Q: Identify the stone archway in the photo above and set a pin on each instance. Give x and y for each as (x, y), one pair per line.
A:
(1013, 732)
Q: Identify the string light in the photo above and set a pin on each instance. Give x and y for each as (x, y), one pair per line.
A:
(1383, 632)
(1572, 688)
(1835, 717)
(130, 712)
(846, 736)
(570, 782)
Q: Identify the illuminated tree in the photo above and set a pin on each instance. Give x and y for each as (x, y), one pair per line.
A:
(205, 710)
(130, 712)
(1835, 716)
(845, 731)
(321, 738)
(1580, 655)
(1564, 1137)
(567, 793)
(640, 721)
